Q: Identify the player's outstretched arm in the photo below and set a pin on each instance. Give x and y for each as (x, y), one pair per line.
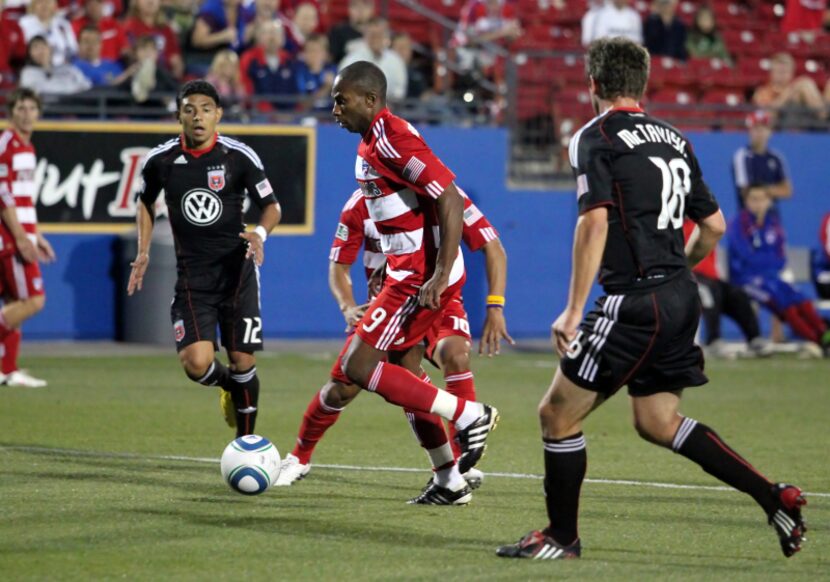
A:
(495, 325)
(270, 218)
(705, 237)
(144, 225)
(589, 244)
(450, 223)
(25, 247)
(340, 283)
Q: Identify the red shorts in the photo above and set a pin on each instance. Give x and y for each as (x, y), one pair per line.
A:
(453, 323)
(395, 321)
(19, 280)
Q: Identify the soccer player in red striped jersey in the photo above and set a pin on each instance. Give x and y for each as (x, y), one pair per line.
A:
(412, 199)
(21, 244)
(448, 343)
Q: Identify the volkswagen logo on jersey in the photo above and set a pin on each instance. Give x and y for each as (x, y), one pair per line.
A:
(201, 207)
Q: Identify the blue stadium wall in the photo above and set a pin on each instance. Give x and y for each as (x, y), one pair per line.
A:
(536, 228)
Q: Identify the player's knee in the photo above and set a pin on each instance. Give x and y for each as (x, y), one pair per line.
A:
(38, 302)
(241, 361)
(456, 361)
(655, 430)
(338, 395)
(553, 422)
(195, 364)
(355, 370)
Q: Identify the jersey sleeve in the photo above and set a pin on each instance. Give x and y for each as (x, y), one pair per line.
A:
(404, 153)
(591, 162)
(701, 202)
(477, 230)
(349, 236)
(256, 182)
(6, 197)
(151, 183)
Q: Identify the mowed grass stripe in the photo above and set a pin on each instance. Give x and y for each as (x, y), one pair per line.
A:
(380, 469)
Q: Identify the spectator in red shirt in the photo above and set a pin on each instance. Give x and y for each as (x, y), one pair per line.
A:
(145, 18)
(114, 43)
(484, 21)
(718, 297)
(803, 16)
(12, 51)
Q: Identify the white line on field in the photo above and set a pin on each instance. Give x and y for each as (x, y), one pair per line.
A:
(624, 482)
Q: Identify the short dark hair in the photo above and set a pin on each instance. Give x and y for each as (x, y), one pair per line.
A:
(619, 68)
(89, 28)
(366, 77)
(197, 87)
(22, 94)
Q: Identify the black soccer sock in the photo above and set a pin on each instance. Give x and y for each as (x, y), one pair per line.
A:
(217, 375)
(244, 389)
(701, 444)
(566, 461)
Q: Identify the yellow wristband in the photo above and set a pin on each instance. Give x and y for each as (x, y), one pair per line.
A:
(495, 300)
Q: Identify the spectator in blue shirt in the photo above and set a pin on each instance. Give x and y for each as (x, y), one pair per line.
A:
(268, 69)
(757, 255)
(756, 165)
(664, 34)
(101, 72)
(314, 72)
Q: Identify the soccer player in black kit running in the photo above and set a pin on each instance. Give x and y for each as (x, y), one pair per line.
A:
(204, 177)
(637, 177)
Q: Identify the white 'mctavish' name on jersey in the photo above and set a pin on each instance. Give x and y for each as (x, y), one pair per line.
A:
(648, 133)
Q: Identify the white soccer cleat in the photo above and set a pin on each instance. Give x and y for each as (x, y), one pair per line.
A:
(23, 379)
(291, 470)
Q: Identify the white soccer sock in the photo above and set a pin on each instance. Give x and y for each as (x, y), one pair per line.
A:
(450, 478)
(472, 411)
(444, 405)
(440, 456)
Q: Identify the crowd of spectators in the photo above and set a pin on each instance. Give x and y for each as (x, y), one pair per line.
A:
(266, 55)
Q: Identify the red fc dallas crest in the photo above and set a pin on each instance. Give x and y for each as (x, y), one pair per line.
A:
(216, 179)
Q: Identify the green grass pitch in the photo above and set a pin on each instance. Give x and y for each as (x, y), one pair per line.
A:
(89, 488)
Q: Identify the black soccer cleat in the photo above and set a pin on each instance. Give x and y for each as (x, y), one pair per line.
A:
(786, 519)
(538, 546)
(473, 439)
(436, 495)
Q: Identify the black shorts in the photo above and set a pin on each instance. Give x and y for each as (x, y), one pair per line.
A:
(235, 309)
(644, 340)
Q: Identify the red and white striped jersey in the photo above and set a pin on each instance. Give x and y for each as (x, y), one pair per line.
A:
(356, 230)
(401, 179)
(17, 186)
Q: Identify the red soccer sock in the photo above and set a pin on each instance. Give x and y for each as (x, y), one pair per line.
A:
(401, 387)
(428, 429)
(810, 315)
(11, 346)
(5, 330)
(317, 419)
(463, 386)
(799, 325)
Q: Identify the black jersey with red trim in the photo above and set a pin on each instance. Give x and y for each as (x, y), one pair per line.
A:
(204, 192)
(645, 172)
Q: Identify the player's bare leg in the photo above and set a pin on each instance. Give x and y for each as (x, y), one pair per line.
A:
(15, 313)
(561, 413)
(658, 420)
(364, 365)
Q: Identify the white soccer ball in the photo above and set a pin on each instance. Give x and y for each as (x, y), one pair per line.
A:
(250, 464)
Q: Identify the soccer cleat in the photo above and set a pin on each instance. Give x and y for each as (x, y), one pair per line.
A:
(227, 407)
(23, 379)
(291, 470)
(473, 439)
(436, 495)
(761, 347)
(473, 477)
(538, 546)
(786, 520)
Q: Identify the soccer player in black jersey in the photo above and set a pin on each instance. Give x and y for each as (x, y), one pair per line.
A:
(637, 177)
(204, 176)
